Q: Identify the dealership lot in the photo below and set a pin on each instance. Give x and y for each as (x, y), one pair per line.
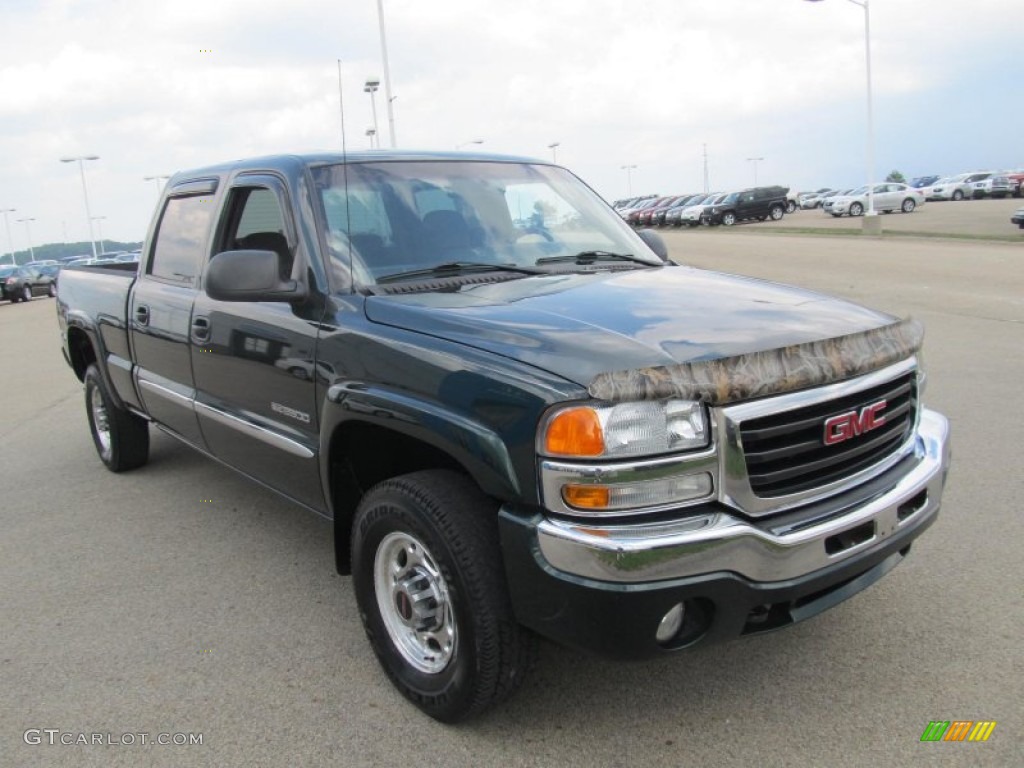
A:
(183, 599)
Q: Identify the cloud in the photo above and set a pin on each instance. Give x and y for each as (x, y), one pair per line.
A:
(154, 87)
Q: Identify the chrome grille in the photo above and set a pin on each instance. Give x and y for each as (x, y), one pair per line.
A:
(785, 453)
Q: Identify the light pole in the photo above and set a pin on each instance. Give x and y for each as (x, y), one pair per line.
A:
(372, 84)
(28, 235)
(372, 132)
(159, 187)
(629, 178)
(85, 192)
(7, 226)
(755, 161)
(871, 224)
(554, 150)
(467, 143)
(387, 72)
(99, 223)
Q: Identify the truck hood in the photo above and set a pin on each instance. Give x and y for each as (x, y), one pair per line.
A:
(581, 325)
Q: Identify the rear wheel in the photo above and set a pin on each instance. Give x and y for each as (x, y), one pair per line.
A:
(908, 205)
(776, 212)
(429, 580)
(121, 438)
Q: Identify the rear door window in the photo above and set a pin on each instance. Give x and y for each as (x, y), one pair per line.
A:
(181, 239)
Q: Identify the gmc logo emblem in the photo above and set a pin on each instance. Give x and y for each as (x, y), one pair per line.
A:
(840, 428)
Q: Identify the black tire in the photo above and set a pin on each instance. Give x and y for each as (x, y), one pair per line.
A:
(790, 206)
(26, 293)
(958, 195)
(776, 212)
(52, 291)
(728, 219)
(440, 518)
(856, 209)
(124, 444)
(908, 205)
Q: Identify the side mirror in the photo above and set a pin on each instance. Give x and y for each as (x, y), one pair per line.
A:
(249, 276)
(654, 242)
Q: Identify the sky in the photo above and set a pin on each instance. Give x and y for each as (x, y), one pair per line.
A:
(154, 86)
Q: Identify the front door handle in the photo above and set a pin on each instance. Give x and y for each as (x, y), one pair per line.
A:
(142, 314)
(200, 328)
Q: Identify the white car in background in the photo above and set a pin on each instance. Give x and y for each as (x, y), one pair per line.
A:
(954, 187)
(690, 217)
(828, 199)
(888, 197)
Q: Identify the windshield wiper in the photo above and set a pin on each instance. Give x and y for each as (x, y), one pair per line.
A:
(589, 257)
(456, 268)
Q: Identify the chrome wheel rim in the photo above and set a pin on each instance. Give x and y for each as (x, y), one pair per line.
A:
(414, 603)
(100, 420)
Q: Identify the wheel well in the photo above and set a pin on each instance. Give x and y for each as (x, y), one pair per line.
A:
(362, 455)
(81, 352)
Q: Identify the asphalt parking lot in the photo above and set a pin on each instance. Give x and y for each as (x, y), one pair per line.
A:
(180, 598)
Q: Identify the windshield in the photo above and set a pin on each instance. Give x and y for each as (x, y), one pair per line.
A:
(857, 191)
(395, 217)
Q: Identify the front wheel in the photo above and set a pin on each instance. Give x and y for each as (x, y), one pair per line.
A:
(790, 206)
(121, 438)
(26, 293)
(958, 195)
(856, 209)
(429, 581)
(908, 206)
(52, 291)
(728, 219)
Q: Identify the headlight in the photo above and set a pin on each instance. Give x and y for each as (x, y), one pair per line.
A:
(645, 428)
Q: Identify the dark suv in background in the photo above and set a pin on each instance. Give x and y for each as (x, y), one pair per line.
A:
(754, 203)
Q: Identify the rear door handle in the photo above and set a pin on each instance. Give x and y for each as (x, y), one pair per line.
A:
(200, 328)
(142, 314)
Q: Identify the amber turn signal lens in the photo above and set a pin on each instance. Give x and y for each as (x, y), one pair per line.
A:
(586, 496)
(575, 432)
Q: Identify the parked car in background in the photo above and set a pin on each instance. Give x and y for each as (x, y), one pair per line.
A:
(643, 218)
(1018, 218)
(923, 181)
(827, 200)
(1017, 180)
(673, 216)
(658, 217)
(950, 188)
(755, 203)
(813, 200)
(997, 185)
(693, 215)
(22, 283)
(888, 197)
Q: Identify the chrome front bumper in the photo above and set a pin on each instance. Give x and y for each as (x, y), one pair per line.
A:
(720, 541)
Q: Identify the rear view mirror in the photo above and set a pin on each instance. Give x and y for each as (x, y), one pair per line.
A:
(249, 276)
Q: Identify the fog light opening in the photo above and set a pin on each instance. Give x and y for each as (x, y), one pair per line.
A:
(670, 624)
